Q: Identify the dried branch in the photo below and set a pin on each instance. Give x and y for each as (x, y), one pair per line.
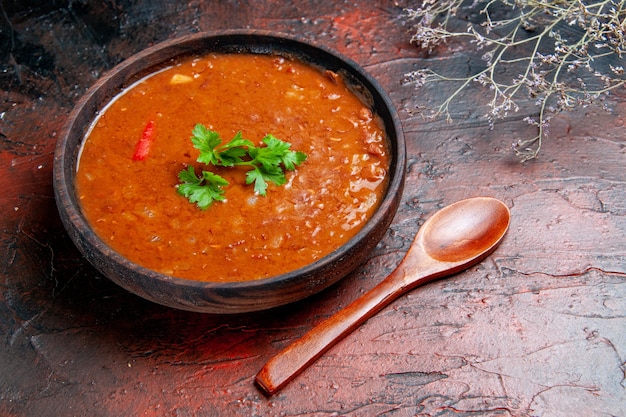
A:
(565, 53)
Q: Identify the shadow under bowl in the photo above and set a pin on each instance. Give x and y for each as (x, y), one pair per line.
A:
(228, 297)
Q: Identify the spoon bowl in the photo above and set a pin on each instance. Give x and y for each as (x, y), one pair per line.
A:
(481, 222)
(453, 239)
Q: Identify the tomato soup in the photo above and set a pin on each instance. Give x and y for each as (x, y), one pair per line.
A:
(135, 208)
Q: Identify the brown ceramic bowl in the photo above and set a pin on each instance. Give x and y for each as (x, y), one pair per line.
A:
(233, 297)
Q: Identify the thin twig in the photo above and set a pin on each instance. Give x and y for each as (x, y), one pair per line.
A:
(558, 71)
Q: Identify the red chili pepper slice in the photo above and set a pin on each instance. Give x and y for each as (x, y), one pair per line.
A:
(145, 142)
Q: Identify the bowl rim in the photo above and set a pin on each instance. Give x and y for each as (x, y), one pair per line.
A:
(63, 180)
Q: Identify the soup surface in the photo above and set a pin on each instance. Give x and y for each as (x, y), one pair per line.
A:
(133, 204)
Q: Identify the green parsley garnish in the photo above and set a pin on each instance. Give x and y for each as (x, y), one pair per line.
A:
(266, 163)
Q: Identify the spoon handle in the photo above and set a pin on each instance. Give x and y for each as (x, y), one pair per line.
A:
(283, 367)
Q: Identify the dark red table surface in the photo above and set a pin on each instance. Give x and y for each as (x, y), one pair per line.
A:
(538, 329)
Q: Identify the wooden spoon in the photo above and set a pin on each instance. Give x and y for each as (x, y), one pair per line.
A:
(452, 240)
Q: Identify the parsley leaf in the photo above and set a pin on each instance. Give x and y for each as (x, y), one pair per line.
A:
(266, 164)
(281, 150)
(202, 191)
(260, 176)
(232, 153)
(205, 141)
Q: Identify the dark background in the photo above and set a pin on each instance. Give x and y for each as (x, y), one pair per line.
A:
(536, 329)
